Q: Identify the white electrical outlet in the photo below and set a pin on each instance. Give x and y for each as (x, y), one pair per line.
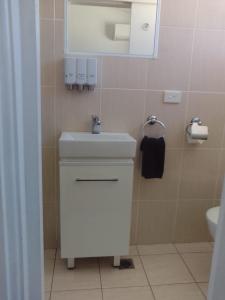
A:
(172, 97)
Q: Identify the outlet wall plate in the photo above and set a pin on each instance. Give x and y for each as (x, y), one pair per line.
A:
(172, 96)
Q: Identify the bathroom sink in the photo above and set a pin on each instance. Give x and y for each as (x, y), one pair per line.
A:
(103, 145)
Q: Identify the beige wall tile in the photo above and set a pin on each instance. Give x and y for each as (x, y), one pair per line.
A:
(50, 225)
(164, 189)
(136, 181)
(59, 9)
(48, 117)
(177, 292)
(208, 69)
(59, 52)
(210, 109)
(173, 115)
(130, 73)
(178, 13)
(48, 274)
(49, 174)
(134, 223)
(74, 109)
(191, 224)
(211, 14)
(156, 222)
(122, 111)
(47, 52)
(199, 174)
(171, 69)
(49, 254)
(46, 9)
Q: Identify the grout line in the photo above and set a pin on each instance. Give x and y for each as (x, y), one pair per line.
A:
(193, 45)
(162, 90)
(99, 269)
(147, 277)
(53, 273)
(189, 270)
(201, 290)
(145, 90)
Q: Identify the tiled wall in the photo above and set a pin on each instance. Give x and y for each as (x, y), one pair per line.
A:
(191, 59)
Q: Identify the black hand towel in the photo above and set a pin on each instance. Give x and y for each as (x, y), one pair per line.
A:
(153, 157)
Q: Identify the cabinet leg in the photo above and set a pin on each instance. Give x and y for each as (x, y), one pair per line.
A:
(70, 263)
(116, 261)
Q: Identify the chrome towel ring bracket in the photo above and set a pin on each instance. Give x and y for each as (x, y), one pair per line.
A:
(151, 120)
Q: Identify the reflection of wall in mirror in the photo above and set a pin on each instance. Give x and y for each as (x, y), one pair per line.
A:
(92, 28)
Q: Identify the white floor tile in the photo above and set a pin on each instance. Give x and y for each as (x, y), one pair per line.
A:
(132, 293)
(199, 265)
(47, 296)
(204, 288)
(178, 292)
(49, 267)
(85, 276)
(113, 277)
(77, 295)
(166, 269)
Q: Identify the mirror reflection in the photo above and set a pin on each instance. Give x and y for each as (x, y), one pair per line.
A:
(111, 27)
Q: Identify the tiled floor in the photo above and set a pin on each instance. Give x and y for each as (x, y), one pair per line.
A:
(162, 272)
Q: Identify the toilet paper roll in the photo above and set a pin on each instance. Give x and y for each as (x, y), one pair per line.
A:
(198, 132)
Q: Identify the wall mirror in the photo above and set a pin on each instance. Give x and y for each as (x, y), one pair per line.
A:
(112, 27)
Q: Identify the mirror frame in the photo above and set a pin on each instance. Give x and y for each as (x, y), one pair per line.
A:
(96, 54)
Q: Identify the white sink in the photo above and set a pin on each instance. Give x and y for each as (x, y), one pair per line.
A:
(103, 145)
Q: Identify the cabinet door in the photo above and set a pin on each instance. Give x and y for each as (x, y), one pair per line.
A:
(95, 210)
(143, 26)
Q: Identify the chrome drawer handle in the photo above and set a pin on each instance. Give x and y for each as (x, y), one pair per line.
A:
(97, 180)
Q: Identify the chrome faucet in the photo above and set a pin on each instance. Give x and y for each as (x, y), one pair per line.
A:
(96, 125)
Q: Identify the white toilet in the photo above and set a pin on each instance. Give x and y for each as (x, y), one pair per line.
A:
(212, 216)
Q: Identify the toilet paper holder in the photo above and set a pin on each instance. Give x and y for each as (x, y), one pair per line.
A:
(196, 120)
(196, 132)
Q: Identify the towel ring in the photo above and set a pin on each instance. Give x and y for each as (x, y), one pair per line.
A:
(151, 120)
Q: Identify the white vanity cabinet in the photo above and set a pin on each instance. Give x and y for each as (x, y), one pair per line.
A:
(95, 207)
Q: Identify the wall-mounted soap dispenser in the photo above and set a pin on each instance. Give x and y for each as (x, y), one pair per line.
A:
(80, 73)
(70, 72)
(91, 73)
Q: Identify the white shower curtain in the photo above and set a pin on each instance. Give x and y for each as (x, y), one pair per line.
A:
(21, 241)
(217, 278)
